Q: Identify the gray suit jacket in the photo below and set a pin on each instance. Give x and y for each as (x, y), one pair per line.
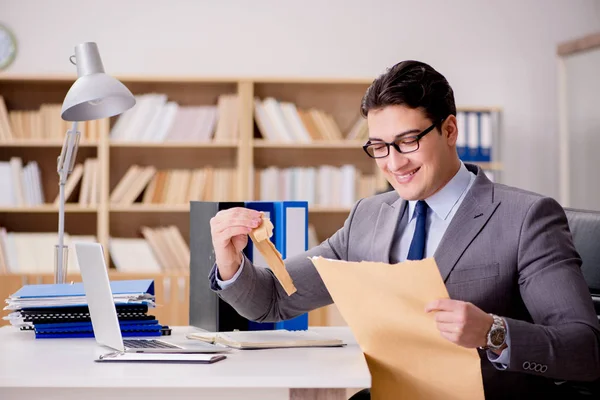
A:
(507, 251)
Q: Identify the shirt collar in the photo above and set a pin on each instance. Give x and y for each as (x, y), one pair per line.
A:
(442, 202)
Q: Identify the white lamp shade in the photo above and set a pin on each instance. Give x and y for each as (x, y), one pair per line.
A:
(94, 95)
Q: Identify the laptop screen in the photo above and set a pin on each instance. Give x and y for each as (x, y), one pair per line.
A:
(96, 283)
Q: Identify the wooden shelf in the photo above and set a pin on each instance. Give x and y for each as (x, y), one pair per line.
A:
(183, 208)
(317, 145)
(150, 208)
(43, 143)
(194, 78)
(49, 208)
(174, 145)
(305, 155)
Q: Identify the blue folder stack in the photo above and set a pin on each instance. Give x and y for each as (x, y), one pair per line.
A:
(61, 311)
(208, 311)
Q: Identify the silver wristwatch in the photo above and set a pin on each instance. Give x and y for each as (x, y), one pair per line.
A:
(496, 337)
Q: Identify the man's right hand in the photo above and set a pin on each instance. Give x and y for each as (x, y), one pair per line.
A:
(229, 229)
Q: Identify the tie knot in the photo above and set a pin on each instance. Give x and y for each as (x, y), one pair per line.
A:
(421, 207)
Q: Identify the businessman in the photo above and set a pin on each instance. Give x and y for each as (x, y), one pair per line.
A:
(506, 255)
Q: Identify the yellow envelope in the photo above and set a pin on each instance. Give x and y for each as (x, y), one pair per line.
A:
(384, 306)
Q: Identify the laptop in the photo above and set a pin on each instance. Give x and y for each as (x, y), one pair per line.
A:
(103, 312)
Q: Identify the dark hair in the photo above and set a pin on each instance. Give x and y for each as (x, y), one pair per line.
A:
(413, 84)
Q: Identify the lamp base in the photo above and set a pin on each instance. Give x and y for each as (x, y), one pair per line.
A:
(60, 271)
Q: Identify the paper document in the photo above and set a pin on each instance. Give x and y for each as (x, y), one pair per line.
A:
(384, 305)
(260, 236)
(278, 338)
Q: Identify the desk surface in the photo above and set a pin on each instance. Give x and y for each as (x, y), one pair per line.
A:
(69, 363)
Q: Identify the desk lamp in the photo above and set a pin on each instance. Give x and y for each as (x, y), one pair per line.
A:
(94, 95)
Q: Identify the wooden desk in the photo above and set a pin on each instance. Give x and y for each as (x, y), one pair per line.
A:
(64, 369)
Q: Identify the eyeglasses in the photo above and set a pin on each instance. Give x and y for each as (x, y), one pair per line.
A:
(406, 144)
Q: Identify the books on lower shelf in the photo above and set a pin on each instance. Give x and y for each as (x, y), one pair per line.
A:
(173, 186)
(21, 183)
(161, 249)
(88, 173)
(265, 339)
(33, 252)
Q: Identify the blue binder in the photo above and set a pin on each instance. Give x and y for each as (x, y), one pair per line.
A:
(485, 137)
(461, 142)
(88, 325)
(75, 335)
(140, 286)
(67, 296)
(290, 237)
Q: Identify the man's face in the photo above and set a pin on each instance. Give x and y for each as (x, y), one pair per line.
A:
(419, 174)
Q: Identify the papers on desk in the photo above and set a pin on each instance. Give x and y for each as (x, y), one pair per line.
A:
(61, 310)
(17, 303)
(30, 317)
(384, 305)
(279, 338)
(161, 357)
(65, 295)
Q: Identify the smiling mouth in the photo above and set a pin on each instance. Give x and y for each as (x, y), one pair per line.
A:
(406, 177)
(414, 171)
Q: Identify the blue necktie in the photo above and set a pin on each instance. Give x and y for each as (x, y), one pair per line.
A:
(417, 246)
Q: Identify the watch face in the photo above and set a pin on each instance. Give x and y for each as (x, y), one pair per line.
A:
(497, 337)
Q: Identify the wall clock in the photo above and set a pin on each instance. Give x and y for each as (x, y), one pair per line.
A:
(8, 47)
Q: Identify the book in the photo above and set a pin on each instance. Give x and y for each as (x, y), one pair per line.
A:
(271, 339)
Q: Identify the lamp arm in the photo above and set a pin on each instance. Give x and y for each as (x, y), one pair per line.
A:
(65, 164)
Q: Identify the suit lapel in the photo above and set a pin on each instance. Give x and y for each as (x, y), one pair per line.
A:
(385, 229)
(472, 215)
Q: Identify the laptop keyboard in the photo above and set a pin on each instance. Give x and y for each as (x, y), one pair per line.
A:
(147, 344)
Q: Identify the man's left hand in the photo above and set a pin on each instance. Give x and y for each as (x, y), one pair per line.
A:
(461, 322)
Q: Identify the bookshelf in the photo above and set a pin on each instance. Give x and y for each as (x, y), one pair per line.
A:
(246, 152)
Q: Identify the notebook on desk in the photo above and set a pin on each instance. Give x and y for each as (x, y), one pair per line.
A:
(279, 338)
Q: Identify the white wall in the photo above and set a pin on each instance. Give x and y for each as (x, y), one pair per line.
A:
(493, 53)
(583, 87)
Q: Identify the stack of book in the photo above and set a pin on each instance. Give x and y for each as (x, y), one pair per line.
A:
(61, 310)
(44, 123)
(177, 186)
(155, 118)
